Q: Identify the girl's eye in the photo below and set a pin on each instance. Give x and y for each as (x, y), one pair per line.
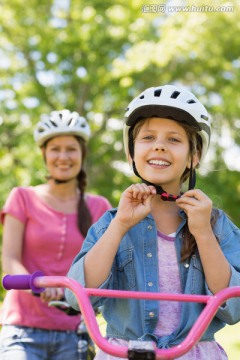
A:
(174, 140)
(148, 137)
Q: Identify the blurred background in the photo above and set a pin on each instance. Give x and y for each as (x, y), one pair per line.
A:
(94, 57)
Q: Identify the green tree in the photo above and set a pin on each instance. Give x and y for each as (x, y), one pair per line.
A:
(93, 57)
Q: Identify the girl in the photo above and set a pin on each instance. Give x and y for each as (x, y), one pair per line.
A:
(159, 238)
(44, 228)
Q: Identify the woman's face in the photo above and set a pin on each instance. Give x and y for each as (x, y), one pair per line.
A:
(63, 156)
(162, 153)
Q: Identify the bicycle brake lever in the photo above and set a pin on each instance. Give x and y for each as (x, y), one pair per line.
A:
(64, 306)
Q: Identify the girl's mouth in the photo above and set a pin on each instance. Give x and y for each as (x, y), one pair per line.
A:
(159, 162)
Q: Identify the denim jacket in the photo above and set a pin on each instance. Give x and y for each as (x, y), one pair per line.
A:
(136, 268)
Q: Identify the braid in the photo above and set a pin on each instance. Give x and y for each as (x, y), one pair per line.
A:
(84, 219)
(84, 215)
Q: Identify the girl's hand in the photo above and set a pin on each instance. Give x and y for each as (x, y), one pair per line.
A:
(50, 294)
(198, 208)
(135, 204)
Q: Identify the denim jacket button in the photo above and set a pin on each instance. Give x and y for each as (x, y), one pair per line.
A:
(149, 255)
(149, 227)
(150, 283)
(151, 314)
(186, 265)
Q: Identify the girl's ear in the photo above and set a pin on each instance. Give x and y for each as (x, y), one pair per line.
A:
(194, 160)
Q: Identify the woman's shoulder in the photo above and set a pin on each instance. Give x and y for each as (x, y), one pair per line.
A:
(27, 195)
(21, 191)
(17, 203)
(94, 199)
(91, 196)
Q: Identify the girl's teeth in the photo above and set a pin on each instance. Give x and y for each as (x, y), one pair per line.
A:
(159, 162)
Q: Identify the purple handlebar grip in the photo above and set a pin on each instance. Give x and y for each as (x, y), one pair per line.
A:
(22, 282)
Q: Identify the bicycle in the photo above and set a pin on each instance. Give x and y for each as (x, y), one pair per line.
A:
(137, 350)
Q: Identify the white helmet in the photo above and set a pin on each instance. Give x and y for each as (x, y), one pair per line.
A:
(168, 101)
(61, 122)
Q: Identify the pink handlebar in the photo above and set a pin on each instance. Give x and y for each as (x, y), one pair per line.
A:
(82, 295)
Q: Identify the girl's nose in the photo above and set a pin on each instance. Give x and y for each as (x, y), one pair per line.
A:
(159, 146)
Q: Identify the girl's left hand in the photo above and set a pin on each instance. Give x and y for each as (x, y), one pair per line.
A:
(198, 208)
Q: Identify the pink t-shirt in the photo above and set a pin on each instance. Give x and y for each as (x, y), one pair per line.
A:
(51, 241)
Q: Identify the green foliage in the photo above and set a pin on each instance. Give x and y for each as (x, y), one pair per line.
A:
(93, 57)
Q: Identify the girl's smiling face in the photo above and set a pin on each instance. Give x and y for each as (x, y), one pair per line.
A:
(162, 153)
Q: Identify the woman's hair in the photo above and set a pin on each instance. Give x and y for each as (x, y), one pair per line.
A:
(189, 245)
(84, 218)
(84, 215)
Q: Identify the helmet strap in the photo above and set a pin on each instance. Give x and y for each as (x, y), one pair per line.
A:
(192, 178)
(164, 195)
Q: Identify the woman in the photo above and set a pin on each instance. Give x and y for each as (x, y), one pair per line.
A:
(43, 229)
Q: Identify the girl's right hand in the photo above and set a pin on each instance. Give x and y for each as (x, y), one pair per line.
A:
(135, 204)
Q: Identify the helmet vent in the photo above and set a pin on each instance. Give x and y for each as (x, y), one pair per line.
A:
(191, 101)
(204, 117)
(157, 92)
(141, 97)
(53, 123)
(175, 94)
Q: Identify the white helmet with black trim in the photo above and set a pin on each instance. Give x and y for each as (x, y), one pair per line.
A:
(168, 101)
(63, 122)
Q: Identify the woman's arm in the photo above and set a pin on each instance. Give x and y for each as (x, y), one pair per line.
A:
(12, 241)
(12, 248)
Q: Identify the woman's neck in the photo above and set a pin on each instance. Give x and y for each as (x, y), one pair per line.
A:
(61, 197)
(62, 192)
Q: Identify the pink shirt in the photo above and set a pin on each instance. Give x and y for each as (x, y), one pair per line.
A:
(50, 243)
(169, 282)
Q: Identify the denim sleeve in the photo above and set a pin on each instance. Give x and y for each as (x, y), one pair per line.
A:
(76, 270)
(228, 235)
